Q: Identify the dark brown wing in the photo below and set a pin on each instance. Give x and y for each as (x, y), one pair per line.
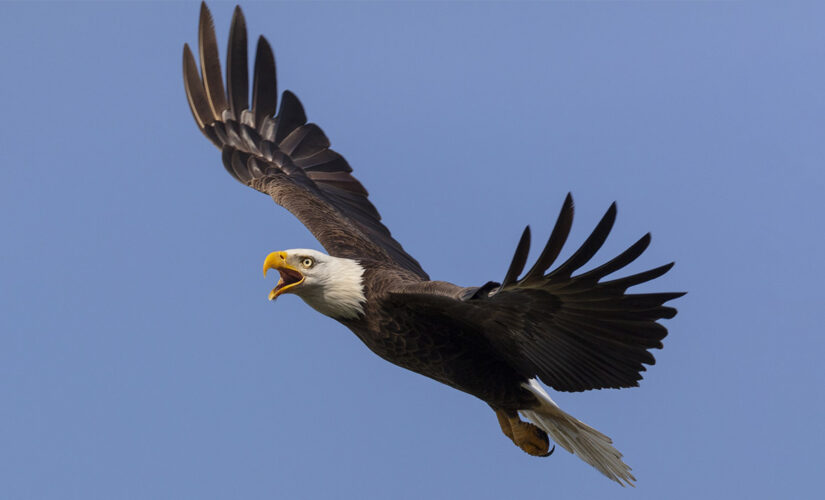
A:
(573, 332)
(283, 155)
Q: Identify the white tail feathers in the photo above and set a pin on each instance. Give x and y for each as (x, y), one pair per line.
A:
(577, 437)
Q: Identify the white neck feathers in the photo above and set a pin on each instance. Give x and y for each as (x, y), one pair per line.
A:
(338, 291)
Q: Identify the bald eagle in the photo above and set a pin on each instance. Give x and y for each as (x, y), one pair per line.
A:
(574, 332)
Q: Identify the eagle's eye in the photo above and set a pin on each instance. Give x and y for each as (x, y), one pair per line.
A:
(307, 262)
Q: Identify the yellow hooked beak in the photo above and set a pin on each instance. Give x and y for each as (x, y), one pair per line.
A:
(290, 277)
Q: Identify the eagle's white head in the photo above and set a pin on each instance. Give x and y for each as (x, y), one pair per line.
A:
(331, 285)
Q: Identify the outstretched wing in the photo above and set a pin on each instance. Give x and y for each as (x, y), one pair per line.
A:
(574, 332)
(282, 155)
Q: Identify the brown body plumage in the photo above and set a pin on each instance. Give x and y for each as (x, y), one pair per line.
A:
(572, 332)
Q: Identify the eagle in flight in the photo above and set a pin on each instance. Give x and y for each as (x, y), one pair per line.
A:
(574, 332)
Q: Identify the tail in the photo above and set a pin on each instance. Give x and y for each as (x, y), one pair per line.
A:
(577, 437)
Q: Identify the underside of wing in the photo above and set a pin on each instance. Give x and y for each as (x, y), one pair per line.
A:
(574, 332)
(282, 155)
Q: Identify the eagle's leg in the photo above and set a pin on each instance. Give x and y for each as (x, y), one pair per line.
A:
(525, 435)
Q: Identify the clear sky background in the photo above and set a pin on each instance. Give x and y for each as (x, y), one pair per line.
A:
(139, 357)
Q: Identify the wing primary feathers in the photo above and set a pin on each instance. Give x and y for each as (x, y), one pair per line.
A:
(265, 83)
(519, 258)
(590, 246)
(619, 261)
(639, 278)
(290, 117)
(556, 241)
(211, 63)
(237, 71)
(194, 90)
(647, 300)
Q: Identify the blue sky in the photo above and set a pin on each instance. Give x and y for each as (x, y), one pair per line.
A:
(139, 357)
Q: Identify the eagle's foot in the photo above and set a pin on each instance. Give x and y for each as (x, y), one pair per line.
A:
(531, 439)
(525, 435)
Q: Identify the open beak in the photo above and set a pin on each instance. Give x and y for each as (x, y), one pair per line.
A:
(290, 277)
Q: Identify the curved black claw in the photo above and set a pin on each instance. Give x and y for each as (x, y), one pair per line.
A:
(550, 452)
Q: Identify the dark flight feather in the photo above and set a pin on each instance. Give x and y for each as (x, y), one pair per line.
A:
(210, 63)
(198, 103)
(519, 258)
(290, 117)
(237, 71)
(618, 262)
(265, 83)
(590, 246)
(554, 244)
